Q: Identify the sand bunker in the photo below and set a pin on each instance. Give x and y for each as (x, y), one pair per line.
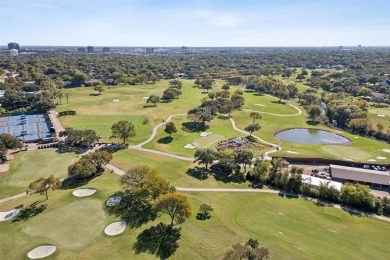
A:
(381, 158)
(190, 146)
(114, 200)
(260, 105)
(381, 115)
(347, 159)
(115, 100)
(84, 192)
(7, 215)
(145, 98)
(386, 150)
(42, 251)
(204, 134)
(115, 228)
(293, 152)
(371, 160)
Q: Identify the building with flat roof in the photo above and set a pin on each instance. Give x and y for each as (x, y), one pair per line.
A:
(13, 45)
(376, 179)
(315, 181)
(90, 48)
(106, 49)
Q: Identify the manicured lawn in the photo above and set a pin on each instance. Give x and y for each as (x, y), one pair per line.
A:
(71, 226)
(290, 228)
(383, 118)
(31, 165)
(221, 129)
(172, 169)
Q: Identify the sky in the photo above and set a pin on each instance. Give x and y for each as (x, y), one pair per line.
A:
(195, 23)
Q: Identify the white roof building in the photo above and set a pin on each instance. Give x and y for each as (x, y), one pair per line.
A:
(359, 175)
(310, 180)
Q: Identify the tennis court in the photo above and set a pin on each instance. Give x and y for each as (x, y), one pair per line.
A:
(28, 128)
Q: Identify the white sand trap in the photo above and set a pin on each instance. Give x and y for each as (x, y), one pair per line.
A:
(386, 150)
(145, 98)
(260, 105)
(114, 200)
(204, 134)
(347, 159)
(356, 137)
(293, 152)
(381, 158)
(42, 251)
(333, 231)
(281, 213)
(115, 228)
(7, 215)
(190, 146)
(281, 233)
(115, 100)
(381, 115)
(84, 192)
(371, 160)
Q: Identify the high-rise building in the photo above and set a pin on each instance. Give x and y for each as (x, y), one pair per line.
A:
(106, 49)
(149, 50)
(90, 48)
(81, 49)
(13, 45)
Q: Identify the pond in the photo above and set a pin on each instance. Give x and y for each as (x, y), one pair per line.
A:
(311, 136)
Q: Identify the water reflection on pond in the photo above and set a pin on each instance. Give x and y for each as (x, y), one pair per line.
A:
(311, 136)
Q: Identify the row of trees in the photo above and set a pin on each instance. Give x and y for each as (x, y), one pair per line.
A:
(89, 165)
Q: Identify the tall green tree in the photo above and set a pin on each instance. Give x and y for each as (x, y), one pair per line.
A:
(175, 205)
(42, 185)
(123, 130)
(170, 128)
(252, 128)
(205, 156)
(7, 142)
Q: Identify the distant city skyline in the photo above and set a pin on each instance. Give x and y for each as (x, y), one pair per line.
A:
(195, 23)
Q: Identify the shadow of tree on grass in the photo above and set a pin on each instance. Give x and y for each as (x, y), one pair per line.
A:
(29, 211)
(194, 127)
(165, 140)
(134, 208)
(198, 173)
(161, 241)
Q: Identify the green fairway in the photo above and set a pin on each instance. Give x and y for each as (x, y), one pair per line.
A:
(172, 169)
(31, 165)
(71, 226)
(267, 104)
(290, 228)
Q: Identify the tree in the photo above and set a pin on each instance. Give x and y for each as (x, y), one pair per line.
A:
(99, 88)
(244, 157)
(314, 112)
(255, 116)
(237, 100)
(82, 169)
(175, 205)
(59, 93)
(143, 179)
(252, 128)
(204, 212)
(42, 185)
(169, 94)
(7, 142)
(170, 128)
(226, 87)
(153, 99)
(205, 156)
(176, 83)
(123, 129)
(99, 158)
(67, 94)
(250, 251)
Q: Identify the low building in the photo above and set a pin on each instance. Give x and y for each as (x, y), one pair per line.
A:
(14, 52)
(376, 179)
(314, 181)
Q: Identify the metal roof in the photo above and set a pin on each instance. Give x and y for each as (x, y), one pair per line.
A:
(359, 174)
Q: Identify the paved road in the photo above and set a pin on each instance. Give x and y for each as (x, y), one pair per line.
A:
(226, 190)
(154, 132)
(13, 197)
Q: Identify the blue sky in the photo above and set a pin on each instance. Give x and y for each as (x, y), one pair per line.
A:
(195, 22)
